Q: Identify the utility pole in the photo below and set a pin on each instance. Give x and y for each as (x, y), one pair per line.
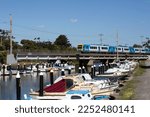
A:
(142, 40)
(117, 44)
(101, 38)
(10, 57)
(10, 34)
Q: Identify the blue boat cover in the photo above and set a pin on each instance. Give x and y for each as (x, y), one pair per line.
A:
(78, 92)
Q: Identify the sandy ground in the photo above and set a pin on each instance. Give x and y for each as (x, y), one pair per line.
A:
(142, 90)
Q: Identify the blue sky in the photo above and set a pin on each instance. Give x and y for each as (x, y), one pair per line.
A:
(80, 20)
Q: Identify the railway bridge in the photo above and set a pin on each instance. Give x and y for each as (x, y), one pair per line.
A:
(80, 59)
(79, 56)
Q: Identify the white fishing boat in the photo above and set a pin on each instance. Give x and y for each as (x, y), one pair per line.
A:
(65, 66)
(84, 81)
(63, 84)
(6, 72)
(103, 83)
(33, 68)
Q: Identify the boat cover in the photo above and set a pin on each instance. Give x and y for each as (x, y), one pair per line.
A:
(61, 86)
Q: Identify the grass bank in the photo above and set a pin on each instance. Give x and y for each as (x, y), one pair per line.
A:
(128, 92)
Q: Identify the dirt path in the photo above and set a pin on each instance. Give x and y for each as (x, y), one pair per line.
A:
(142, 90)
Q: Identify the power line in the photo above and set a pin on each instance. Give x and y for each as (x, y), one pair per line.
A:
(50, 32)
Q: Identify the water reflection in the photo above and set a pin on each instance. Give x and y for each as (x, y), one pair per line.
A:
(28, 81)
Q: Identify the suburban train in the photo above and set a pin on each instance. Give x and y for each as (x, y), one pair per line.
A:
(96, 48)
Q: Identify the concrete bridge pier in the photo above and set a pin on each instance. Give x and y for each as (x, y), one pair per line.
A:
(89, 65)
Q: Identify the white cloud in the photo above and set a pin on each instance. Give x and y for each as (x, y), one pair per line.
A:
(73, 20)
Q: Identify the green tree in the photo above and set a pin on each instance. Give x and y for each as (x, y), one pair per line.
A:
(28, 44)
(62, 42)
(3, 57)
(147, 43)
(137, 46)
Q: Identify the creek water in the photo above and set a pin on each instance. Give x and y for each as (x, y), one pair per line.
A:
(28, 81)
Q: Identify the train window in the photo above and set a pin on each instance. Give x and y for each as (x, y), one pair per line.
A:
(118, 48)
(79, 46)
(92, 47)
(104, 48)
(136, 50)
(126, 49)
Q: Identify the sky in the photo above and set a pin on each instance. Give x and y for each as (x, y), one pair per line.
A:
(82, 21)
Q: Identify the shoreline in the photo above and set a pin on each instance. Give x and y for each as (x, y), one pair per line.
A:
(143, 86)
(128, 86)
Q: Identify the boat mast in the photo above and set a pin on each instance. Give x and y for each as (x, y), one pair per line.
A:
(117, 45)
(101, 38)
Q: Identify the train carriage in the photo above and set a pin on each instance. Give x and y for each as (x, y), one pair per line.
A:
(83, 47)
(80, 47)
(96, 48)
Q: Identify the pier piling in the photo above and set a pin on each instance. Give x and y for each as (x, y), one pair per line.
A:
(41, 84)
(83, 69)
(62, 72)
(99, 69)
(3, 67)
(92, 70)
(69, 70)
(37, 68)
(51, 77)
(18, 86)
(79, 69)
(24, 66)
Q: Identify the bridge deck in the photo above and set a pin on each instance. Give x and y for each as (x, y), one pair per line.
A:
(55, 56)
